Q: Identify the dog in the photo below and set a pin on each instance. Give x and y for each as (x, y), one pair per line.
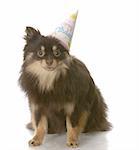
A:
(62, 94)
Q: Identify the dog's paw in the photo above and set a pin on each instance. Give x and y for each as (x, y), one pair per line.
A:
(72, 143)
(35, 142)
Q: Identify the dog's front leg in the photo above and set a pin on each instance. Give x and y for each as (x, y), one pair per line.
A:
(41, 128)
(74, 130)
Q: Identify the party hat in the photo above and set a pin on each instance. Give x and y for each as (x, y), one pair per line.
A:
(64, 31)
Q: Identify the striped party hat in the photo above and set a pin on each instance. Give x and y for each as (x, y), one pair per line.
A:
(64, 31)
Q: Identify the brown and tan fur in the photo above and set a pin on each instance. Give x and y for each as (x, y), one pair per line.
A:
(62, 95)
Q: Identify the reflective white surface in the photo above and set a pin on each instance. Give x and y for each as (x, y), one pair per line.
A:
(105, 38)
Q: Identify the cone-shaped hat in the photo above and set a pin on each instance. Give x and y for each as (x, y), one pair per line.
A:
(64, 31)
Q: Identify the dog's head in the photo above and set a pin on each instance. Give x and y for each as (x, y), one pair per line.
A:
(45, 57)
(47, 52)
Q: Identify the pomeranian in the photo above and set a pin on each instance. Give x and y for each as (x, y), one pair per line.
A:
(62, 94)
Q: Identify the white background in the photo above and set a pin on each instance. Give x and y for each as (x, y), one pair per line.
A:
(106, 39)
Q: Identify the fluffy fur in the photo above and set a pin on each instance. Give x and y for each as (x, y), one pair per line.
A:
(66, 95)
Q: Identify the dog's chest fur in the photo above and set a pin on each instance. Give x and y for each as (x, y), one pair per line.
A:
(46, 79)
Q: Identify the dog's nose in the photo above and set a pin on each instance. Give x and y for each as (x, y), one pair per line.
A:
(49, 62)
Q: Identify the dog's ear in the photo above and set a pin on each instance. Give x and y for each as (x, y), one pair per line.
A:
(31, 34)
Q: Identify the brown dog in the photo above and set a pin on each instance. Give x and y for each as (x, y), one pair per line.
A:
(62, 95)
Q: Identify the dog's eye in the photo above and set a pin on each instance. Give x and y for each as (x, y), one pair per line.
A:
(57, 52)
(41, 53)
